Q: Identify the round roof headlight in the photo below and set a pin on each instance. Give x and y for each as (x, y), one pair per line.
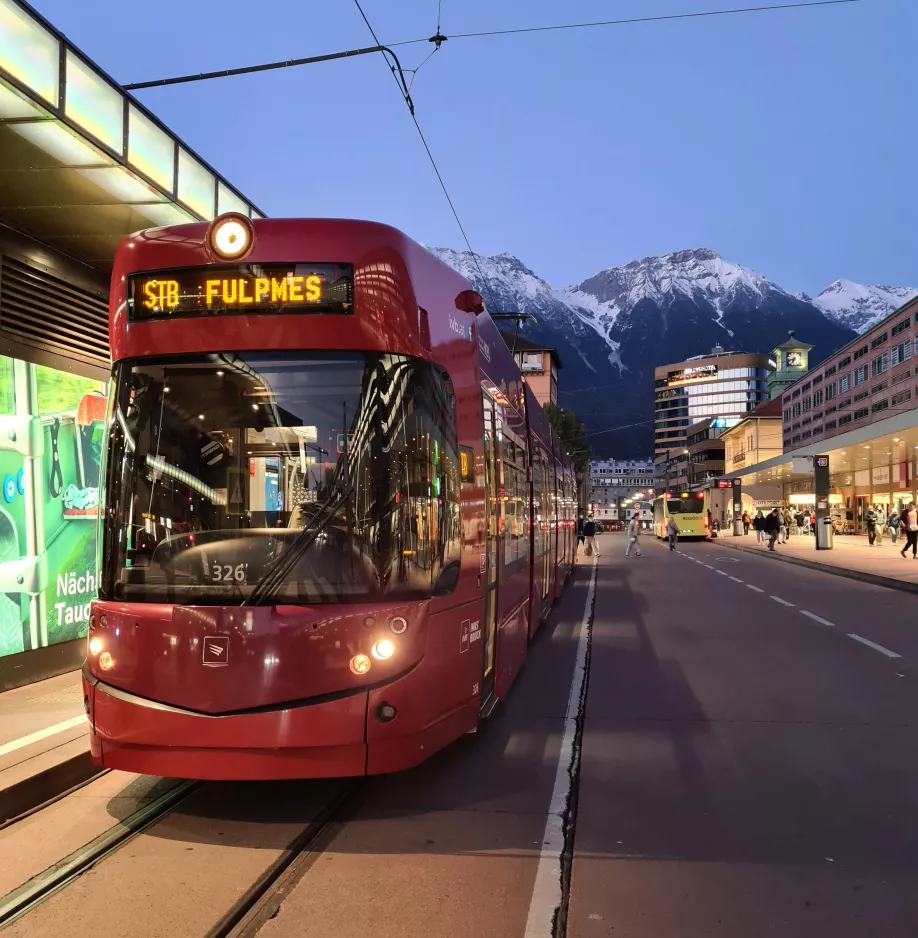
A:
(231, 237)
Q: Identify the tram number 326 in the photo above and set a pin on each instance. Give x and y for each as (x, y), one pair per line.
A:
(227, 573)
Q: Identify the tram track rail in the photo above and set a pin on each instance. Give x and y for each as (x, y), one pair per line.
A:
(262, 901)
(54, 799)
(257, 904)
(41, 887)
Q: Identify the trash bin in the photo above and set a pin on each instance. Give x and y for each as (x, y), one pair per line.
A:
(825, 534)
(737, 527)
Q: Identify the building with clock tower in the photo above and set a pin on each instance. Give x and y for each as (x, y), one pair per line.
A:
(791, 362)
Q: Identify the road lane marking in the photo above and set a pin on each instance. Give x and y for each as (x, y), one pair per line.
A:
(43, 734)
(723, 573)
(750, 586)
(735, 580)
(815, 618)
(874, 646)
(708, 566)
(783, 602)
(546, 890)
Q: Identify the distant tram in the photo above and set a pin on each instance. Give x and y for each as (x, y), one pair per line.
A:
(334, 515)
(688, 510)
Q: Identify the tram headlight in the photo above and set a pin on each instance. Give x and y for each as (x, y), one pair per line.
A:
(95, 645)
(384, 648)
(106, 661)
(397, 625)
(360, 664)
(231, 237)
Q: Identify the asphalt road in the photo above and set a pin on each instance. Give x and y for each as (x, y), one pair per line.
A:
(749, 768)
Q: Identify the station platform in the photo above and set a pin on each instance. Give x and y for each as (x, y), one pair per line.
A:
(850, 556)
(44, 743)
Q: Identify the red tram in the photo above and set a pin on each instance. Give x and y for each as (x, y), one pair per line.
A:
(334, 513)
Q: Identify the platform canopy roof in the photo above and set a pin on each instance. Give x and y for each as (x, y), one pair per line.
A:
(82, 163)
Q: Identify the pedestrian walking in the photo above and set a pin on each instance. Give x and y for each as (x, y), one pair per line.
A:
(672, 532)
(892, 523)
(881, 524)
(773, 528)
(759, 524)
(580, 523)
(871, 526)
(589, 535)
(746, 522)
(782, 526)
(634, 534)
(910, 527)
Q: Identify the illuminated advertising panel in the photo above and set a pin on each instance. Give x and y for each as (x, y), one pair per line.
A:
(249, 288)
(698, 373)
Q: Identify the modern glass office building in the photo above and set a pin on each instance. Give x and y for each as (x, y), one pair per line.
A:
(722, 385)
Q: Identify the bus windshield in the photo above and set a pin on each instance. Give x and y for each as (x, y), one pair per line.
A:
(218, 464)
(692, 505)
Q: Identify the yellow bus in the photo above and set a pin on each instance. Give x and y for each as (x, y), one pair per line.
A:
(688, 510)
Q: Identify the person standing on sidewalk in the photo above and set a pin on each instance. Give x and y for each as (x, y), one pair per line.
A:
(910, 526)
(871, 525)
(892, 522)
(773, 528)
(634, 533)
(782, 526)
(746, 522)
(580, 524)
(759, 524)
(589, 535)
(672, 532)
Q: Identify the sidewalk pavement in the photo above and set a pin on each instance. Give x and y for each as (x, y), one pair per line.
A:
(44, 745)
(851, 556)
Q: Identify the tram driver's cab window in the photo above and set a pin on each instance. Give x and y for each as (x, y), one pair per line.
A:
(345, 463)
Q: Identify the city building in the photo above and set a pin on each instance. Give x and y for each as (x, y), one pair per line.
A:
(722, 385)
(617, 486)
(790, 361)
(755, 438)
(539, 365)
(84, 164)
(858, 407)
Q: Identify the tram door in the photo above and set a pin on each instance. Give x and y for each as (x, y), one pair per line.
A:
(494, 507)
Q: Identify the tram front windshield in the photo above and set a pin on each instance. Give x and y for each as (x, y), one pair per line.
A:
(219, 465)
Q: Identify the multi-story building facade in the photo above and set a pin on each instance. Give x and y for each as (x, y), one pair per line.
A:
(614, 481)
(858, 408)
(539, 365)
(725, 385)
(755, 438)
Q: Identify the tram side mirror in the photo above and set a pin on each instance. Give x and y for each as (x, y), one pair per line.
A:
(448, 579)
(469, 301)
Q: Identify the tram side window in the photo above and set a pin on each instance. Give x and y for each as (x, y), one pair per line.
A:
(539, 503)
(515, 497)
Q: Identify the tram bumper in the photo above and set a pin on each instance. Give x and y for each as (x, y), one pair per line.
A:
(318, 740)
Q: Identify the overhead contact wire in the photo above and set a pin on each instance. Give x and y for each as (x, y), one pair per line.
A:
(436, 170)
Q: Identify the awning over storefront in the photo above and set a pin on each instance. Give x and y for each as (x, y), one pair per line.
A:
(888, 443)
(83, 163)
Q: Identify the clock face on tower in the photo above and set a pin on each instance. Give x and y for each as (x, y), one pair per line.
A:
(794, 360)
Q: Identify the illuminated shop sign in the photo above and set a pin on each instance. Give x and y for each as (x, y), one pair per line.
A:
(208, 291)
(699, 373)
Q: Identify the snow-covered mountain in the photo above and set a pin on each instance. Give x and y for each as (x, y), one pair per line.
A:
(614, 328)
(857, 306)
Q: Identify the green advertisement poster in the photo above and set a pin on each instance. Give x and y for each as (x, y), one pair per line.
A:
(51, 436)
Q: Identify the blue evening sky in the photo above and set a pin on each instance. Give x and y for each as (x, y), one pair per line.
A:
(786, 141)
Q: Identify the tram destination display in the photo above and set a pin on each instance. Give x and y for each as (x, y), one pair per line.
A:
(241, 289)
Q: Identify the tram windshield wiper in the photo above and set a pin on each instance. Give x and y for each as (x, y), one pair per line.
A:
(274, 578)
